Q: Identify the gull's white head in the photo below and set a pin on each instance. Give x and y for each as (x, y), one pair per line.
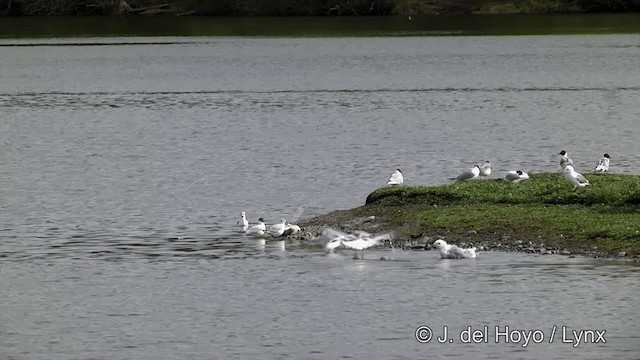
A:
(283, 221)
(440, 244)
(485, 170)
(244, 214)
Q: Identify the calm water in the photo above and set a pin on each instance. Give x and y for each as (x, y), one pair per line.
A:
(124, 165)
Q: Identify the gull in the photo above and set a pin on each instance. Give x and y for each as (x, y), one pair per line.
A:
(363, 241)
(470, 174)
(453, 252)
(603, 165)
(258, 229)
(245, 222)
(574, 178)
(359, 244)
(277, 230)
(396, 178)
(516, 176)
(565, 159)
(331, 239)
(330, 245)
(291, 229)
(485, 169)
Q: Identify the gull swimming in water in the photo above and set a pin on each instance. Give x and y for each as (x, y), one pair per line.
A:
(277, 230)
(603, 165)
(516, 176)
(396, 178)
(258, 229)
(565, 159)
(454, 252)
(485, 169)
(574, 178)
(244, 222)
(470, 174)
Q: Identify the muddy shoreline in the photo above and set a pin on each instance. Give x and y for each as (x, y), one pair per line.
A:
(349, 221)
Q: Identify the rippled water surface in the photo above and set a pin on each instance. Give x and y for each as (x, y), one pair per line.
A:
(124, 165)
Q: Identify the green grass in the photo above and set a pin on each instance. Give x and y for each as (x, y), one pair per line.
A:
(545, 209)
(322, 26)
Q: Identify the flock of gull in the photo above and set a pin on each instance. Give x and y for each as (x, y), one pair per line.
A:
(283, 228)
(514, 176)
(332, 239)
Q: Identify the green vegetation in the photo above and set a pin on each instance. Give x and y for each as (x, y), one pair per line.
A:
(310, 7)
(335, 26)
(545, 209)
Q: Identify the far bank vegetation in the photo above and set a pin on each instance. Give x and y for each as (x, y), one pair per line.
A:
(308, 7)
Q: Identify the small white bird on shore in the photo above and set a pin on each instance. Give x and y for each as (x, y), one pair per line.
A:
(603, 164)
(291, 229)
(277, 230)
(574, 178)
(448, 251)
(470, 174)
(485, 169)
(244, 222)
(396, 178)
(258, 229)
(515, 176)
(565, 159)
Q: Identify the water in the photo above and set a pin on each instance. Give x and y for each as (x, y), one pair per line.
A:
(124, 168)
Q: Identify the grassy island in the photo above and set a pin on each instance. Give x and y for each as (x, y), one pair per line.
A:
(309, 7)
(600, 219)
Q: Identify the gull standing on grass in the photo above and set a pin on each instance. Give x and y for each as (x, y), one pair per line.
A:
(603, 165)
(574, 178)
(485, 169)
(470, 174)
(515, 176)
(396, 178)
